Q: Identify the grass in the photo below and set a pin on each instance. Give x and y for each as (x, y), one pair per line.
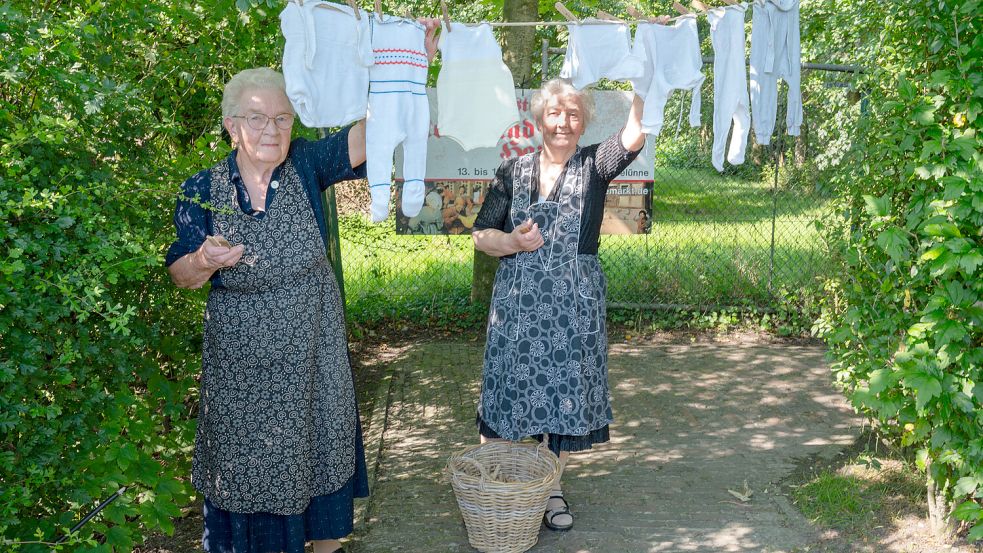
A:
(860, 501)
(711, 243)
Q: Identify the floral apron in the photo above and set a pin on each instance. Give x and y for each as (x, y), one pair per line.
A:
(545, 367)
(277, 421)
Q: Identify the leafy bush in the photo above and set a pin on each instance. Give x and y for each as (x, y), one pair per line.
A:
(105, 108)
(906, 336)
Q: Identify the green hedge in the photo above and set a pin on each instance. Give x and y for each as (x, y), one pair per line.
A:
(105, 108)
(906, 336)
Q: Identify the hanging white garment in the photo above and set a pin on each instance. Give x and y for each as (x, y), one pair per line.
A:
(475, 91)
(671, 60)
(775, 54)
(399, 112)
(599, 51)
(326, 59)
(730, 92)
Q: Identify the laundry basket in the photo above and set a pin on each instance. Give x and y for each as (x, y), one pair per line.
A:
(502, 489)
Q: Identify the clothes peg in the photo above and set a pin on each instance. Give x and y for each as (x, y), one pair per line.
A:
(699, 5)
(731, 2)
(565, 12)
(354, 7)
(378, 9)
(447, 19)
(608, 17)
(635, 13)
(681, 8)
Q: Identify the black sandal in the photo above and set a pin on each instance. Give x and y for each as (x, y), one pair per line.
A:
(549, 515)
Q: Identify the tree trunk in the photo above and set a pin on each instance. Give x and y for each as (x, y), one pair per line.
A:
(939, 509)
(518, 51)
(520, 42)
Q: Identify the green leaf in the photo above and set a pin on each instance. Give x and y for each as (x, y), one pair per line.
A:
(967, 510)
(966, 486)
(894, 242)
(925, 386)
(878, 207)
(882, 379)
(976, 533)
(942, 229)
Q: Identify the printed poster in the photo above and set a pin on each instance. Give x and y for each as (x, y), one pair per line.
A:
(457, 180)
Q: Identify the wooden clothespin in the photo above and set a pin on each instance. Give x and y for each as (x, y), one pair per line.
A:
(608, 17)
(354, 7)
(565, 12)
(447, 19)
(681, 8)
(731, 2)
(378, 9)
(699, 5)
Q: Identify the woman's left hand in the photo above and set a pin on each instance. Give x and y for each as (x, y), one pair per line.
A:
(430, 40)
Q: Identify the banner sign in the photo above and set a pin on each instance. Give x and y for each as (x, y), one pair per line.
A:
(457, 180)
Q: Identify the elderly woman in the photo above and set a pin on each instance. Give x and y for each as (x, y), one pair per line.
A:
(278, 450)
(545, 369)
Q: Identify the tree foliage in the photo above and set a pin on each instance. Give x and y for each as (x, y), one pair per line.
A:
(906, 333)
(105, 108)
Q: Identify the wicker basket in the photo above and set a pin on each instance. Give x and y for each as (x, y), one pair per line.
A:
(502, 488)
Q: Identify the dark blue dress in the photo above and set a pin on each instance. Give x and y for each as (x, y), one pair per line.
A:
(319, 164)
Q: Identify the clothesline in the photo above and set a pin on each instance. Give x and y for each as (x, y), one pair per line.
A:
(571, 19)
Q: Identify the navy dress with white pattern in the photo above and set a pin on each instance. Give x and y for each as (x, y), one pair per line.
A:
(310, 167)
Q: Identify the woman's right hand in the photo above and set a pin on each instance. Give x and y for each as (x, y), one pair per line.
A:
(212, 258)
(526, 237)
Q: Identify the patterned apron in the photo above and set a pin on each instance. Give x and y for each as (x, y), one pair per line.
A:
(546, 356)
(277, 420)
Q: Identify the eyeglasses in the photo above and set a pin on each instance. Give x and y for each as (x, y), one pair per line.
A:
(258, 121)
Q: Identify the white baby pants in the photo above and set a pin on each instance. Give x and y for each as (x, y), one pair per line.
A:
(398, 113)
(599, 51)
(775, 54)
(671, 60)
(326, 59)
(475, 91)
(730, 95)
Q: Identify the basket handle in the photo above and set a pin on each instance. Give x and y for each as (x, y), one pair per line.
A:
(477, 465)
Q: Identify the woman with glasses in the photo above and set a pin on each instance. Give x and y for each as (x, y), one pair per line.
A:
(278, 450)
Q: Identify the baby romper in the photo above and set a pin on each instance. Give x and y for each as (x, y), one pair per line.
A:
(730, 96)
(775, 53)
(398, 112)
(597, 51)
(475, 91)
(326, 59)
(671, 60)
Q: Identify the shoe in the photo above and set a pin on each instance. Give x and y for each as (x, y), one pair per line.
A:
(550, 515)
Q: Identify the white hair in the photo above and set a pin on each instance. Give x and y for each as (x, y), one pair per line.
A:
(260, 78)
(559, 88)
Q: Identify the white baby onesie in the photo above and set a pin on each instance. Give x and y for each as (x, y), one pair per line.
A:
(475, 91)
(671, 60)
(775, 53)
(326, 59)
(730, 96)
(398, 112)
(599, 51)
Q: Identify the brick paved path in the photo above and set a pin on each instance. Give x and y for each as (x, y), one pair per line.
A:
(692, 422)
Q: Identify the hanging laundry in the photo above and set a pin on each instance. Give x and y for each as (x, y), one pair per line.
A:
(398, 112)
(596, 51)
(475, 91)
(775, 54)
(671, 60)
(326, 59)
(730, 93)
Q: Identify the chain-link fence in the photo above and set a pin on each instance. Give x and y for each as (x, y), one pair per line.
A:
(741, 237)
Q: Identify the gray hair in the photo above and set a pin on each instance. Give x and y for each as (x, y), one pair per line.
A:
(261, 78)
(559, 88)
